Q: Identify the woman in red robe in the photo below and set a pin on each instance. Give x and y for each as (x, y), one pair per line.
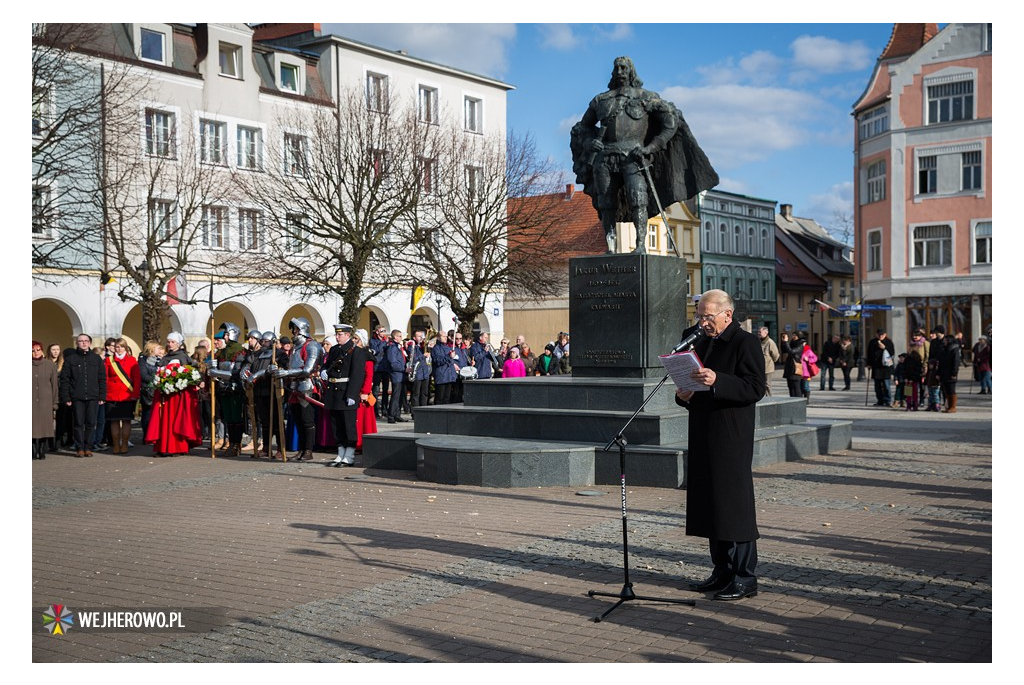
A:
(366, 421)
(175, 425)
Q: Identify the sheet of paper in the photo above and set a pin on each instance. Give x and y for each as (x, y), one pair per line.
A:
(680, 367)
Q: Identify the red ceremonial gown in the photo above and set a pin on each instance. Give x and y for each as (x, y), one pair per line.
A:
(175, 426)
(366, 420)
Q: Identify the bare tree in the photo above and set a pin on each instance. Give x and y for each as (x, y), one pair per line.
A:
(841, 227)
(349, 177)
(459, 238)
(72, 87)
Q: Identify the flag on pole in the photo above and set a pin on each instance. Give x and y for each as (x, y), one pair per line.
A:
(822, 306)
(177, 289)
(417, 295)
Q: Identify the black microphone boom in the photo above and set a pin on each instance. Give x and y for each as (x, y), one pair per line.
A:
(689, 341)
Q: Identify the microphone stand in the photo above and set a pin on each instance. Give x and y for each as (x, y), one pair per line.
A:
(627, 594)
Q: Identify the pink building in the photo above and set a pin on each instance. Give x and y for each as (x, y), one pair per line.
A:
(923, 162)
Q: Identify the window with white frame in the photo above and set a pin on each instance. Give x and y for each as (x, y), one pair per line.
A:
(376, 92)
(751, 242)
(876, 182)
(297, 237)
(428, 175)
(214, 228)
(951, 101)
(971, 162)
(765, 249)
(249, 230)
(983, 242)
(161, 219)
(152, 46)
(250, 148)
(933, 245)
(230, 60)
(799, 302)
(379, 164)
(709, 278)
(288, 75)
(766, 285)
(874, 250)
(160, 133)
(213, 141)
(474, 115)
(42, 212)
(40, 110)
(725, 273)
(652, 236)
(737, 240)
(927, 175)
(709, 236)
(295, 154)
(723, 238)
(874, 122)
(474, 180)
(428, 105)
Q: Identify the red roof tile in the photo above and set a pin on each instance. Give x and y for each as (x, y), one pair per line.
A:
(906, 39)
(274, 31)
(580, 232)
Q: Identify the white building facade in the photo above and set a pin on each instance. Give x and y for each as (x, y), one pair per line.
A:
(214, 97)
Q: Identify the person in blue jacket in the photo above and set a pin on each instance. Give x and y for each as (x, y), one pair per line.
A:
(395, 356)
(445, 362)
(482, 356)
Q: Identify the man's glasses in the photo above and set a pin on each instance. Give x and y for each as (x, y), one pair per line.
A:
(707, 318)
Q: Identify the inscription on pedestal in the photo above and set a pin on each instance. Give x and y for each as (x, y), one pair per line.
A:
(624, 310)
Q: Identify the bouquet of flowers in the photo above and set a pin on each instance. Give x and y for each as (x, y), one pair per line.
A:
(175, 378)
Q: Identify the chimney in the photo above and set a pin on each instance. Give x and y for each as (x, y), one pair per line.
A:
(570, 190)
(787, 212)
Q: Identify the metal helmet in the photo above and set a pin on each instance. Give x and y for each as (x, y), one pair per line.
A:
(301, 324)
(254, 334)
(268, 337)
(231, 331)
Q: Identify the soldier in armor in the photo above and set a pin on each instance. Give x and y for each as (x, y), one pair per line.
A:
(257, 373)
(302, 379)
(624, 130)
(230, 396)
(344, 373)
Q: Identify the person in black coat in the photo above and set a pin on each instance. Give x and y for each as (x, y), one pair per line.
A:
(344, 372)
(881, 357)
(720, 485)
(83, 387)
(949, 365)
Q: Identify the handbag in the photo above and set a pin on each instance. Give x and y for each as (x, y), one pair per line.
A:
(812, 369)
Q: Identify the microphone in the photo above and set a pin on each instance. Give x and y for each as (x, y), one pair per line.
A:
(689, 341)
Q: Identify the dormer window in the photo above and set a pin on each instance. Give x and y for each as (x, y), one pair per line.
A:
(230, 60)
(151, 46)
(289, 75)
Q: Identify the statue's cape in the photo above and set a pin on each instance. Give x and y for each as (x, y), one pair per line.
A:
(680, 171)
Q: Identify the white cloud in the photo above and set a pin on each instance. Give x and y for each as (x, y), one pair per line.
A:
(737, 124)
(477, 48)
(829, 56)
(615, 32)
(823, 207)
(558, 36)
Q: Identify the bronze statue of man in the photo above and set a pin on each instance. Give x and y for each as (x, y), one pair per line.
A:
(624, 130)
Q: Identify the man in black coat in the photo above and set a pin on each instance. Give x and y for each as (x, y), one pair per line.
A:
(881, 366)
(948, 354)
(83, 387)
(344, 372)
(720, 485)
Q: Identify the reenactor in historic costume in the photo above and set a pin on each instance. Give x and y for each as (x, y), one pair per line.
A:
(230, 394)
(344, 372)
(302, 378)
(257, 373)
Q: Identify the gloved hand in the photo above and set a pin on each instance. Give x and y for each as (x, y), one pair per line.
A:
(350, 401)
(323, 375)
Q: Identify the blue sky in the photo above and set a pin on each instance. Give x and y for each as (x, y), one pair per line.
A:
(769, 103)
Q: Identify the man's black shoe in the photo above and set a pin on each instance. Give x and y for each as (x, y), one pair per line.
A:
(737, 591)
(712, 584)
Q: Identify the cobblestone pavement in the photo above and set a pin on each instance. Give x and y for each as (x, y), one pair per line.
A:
(882, 553)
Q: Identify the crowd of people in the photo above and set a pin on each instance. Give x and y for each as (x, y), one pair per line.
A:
(923, 377)
(86, 399)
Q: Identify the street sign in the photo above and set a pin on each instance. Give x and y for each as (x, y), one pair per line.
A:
(877, 307)
(849, 307)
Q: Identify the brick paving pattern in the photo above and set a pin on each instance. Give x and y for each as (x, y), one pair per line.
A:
(882, 553)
